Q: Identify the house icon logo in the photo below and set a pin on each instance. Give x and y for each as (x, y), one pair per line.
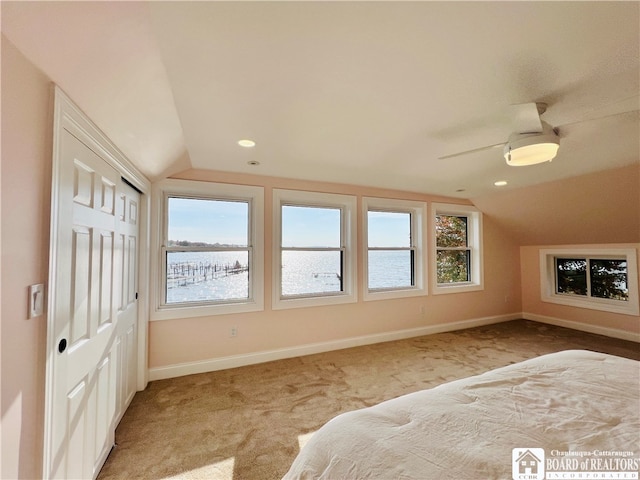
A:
(527, 463)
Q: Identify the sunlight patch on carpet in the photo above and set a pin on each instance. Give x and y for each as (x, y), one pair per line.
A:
(219, 471)
(304, 438)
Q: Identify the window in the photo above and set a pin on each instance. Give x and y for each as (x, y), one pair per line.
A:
(314, 249)
(391, 254)
(601, 279)
(312, 262)
(394, 253)
(458, 248)
(593, 277)
(452, 249)
(210, 247)
(207, 250)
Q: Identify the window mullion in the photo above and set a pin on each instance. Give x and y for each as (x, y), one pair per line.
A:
(341, 279)
(588, 275)
(458, 249)
(313, 249)
(413, 266)
(176, 248)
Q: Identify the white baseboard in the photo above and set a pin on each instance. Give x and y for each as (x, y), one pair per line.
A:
(585, 327)
(223, 363)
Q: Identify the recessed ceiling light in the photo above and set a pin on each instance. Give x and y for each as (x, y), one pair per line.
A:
(253, 162)
(500, 183)
(246, 143)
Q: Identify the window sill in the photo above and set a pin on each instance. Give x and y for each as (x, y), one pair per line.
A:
(393, 293)
(457, 288)
(183, 311)
(312, 301)
(611, 306)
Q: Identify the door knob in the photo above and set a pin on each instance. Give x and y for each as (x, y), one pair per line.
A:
(62, 346)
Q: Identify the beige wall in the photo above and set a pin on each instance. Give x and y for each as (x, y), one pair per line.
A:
(532, 303)
(205, 338)
(599, 210)
(26, 178)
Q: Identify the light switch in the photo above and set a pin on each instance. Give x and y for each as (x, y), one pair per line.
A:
(36, 300)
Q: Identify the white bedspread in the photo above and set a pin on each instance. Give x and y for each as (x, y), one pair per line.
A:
(568, 401)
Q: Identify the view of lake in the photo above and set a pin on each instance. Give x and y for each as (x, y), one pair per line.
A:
(211, 276)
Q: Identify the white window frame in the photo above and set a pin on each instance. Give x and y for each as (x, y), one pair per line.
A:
(418, 212)
(474, 239)
(208, 191)
(548, 289)
(348, 205)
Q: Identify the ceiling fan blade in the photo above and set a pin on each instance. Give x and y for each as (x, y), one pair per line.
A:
(474, 150)
(567, 129)
(619, 107)
(526, 117)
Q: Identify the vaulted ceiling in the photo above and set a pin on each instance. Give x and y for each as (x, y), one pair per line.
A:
(369, 93)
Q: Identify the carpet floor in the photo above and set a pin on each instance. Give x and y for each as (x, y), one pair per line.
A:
(250, 422)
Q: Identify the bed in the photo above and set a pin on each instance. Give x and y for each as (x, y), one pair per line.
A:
(570, 401)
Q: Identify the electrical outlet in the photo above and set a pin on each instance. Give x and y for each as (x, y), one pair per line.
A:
(233, 332)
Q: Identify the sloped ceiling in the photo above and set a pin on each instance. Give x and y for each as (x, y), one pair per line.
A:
(105, 57)
(369, 93)
(601, 207)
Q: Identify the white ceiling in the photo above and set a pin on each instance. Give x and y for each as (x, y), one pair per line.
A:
(367, 93)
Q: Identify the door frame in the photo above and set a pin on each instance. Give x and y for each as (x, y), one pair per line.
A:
(67, 116)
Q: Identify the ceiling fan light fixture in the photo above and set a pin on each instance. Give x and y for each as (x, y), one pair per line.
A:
(524, 149)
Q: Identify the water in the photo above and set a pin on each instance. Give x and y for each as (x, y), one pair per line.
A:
(207, 276)
(310, 272)
(218, 276)
(389, 269)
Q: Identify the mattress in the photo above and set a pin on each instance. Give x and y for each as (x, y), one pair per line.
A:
(570, 406)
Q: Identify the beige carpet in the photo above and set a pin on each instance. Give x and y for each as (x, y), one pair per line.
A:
(249, 422)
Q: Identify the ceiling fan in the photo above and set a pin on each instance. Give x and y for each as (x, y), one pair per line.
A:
(533, 140)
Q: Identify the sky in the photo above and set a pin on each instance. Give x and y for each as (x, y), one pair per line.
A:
(389, 229)
(226, 222)
(210, 221)
(310, 227)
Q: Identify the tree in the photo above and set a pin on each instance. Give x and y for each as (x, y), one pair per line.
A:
(453, 256)
(607, 278)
